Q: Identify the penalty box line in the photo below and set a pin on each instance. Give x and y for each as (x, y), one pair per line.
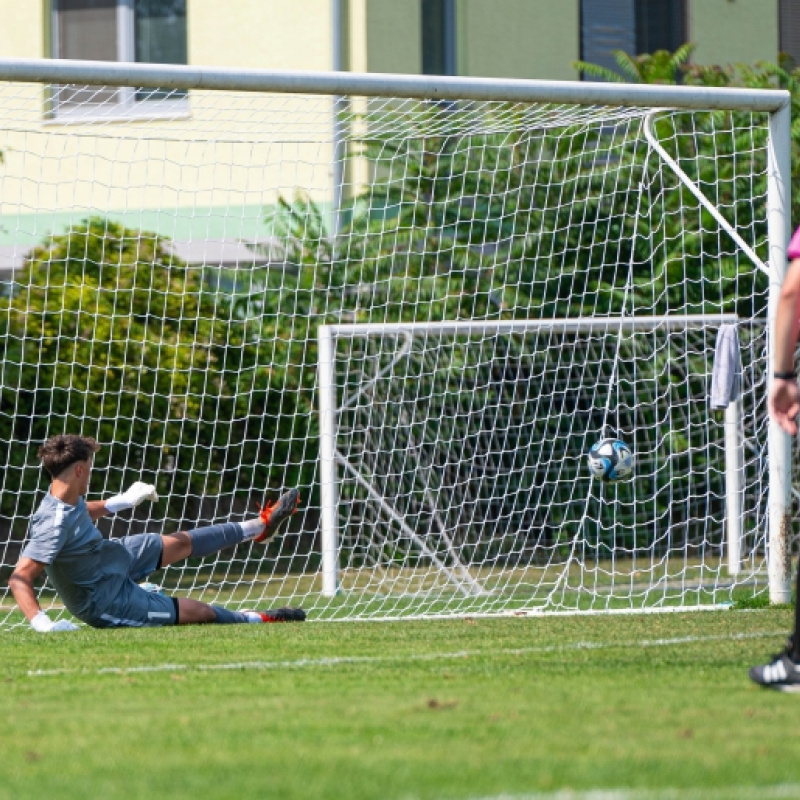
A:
(333, 661)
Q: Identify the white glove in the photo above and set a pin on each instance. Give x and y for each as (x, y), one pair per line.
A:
(41, 623)
(130, 499)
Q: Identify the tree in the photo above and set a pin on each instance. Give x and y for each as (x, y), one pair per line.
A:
(110, 335)
(659, 67)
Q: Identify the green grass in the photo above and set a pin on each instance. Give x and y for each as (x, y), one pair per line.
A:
(452, 709)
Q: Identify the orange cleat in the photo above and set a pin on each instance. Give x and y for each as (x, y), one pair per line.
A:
(273, 515)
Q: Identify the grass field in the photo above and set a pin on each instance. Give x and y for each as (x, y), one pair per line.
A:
(589, 707)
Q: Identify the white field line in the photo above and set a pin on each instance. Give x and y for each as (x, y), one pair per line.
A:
(334, 661)
(776, 792)
(542, 613)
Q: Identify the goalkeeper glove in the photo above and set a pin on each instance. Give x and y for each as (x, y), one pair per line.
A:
(130, 499)
(41, 623)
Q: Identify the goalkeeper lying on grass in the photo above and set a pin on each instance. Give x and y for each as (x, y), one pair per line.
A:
(96, 577)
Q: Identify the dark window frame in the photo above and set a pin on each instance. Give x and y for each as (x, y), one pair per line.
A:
(438, 35)
(82, 103)
(634, 26)
(651, 33)
(789, 30)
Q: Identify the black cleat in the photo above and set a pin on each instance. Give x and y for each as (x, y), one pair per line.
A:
(275, 514)
(781, 673)
(283, 615)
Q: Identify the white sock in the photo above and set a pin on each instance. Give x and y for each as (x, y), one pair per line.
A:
(252, 616)
(252, 528)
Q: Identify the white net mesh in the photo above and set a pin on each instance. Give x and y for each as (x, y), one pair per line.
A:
(463, 478)
(167, 272)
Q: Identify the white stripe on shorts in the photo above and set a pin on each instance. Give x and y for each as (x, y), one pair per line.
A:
(117, 621)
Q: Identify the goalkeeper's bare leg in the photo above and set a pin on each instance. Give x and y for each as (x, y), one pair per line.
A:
(207, 541)
(195, 612)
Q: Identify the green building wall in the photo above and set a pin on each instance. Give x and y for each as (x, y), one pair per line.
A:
(541, 38)
(734, 31)
(517, 38)
(394, 38)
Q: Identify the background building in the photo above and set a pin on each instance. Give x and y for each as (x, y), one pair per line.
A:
(507, 38)
(496, 38)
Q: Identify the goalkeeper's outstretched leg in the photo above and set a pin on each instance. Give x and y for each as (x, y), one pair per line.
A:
(207, 541)
(98, 579)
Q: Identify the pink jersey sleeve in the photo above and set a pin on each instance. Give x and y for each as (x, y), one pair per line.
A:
(794, 245)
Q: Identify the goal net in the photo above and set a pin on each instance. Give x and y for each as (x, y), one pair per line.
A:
(462, 476)
(421, 313)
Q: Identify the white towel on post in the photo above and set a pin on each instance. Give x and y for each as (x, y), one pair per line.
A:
(726, 379)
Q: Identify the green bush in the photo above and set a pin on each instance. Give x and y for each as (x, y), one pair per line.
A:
(110, 335)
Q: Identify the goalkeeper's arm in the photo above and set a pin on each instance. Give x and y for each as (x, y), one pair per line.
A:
(21, 584)
(138, 493)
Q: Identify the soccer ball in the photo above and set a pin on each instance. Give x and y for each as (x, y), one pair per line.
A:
(610, 460)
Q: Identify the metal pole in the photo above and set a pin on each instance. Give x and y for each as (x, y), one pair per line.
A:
(327, 461)
(734, 463)
(521, 326)
(339, 105)
(434, 87)
(779, 443)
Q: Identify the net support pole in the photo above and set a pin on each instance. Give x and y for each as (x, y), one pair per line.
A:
(327, 462)
(339, 107)
(779, 443)
(734, 463)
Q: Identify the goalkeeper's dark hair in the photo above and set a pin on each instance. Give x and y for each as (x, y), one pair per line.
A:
(60, 452)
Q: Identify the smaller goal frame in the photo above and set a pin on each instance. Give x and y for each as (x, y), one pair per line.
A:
(330, 458)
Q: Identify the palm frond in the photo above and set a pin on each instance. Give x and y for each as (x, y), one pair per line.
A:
(596, 71)
(629, 65)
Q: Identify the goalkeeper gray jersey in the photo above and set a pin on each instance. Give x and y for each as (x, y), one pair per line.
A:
(85, 569)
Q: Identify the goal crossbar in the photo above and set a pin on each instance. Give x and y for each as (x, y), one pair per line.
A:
(176, 76)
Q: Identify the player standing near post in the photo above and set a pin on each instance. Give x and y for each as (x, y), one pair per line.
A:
(783, 672)
(96, 578)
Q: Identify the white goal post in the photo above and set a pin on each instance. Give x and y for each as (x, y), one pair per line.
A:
(345, 463)
(420, 300)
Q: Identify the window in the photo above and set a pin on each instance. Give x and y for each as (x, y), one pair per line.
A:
(634, 26)
(790, 30)
(660, 25)
(149, 31)
(438, 37)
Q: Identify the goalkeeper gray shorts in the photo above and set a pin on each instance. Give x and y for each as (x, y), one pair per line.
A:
(132, 606)
(145, 550)
(135, 607)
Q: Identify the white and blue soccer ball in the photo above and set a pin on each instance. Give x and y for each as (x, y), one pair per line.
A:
(610, 460)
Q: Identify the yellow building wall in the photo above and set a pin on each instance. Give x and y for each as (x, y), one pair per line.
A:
(261, 34)
(212, 173)
(518, 38)
(22, 28)
(235, 154)
(209, 171)
(733, 31)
